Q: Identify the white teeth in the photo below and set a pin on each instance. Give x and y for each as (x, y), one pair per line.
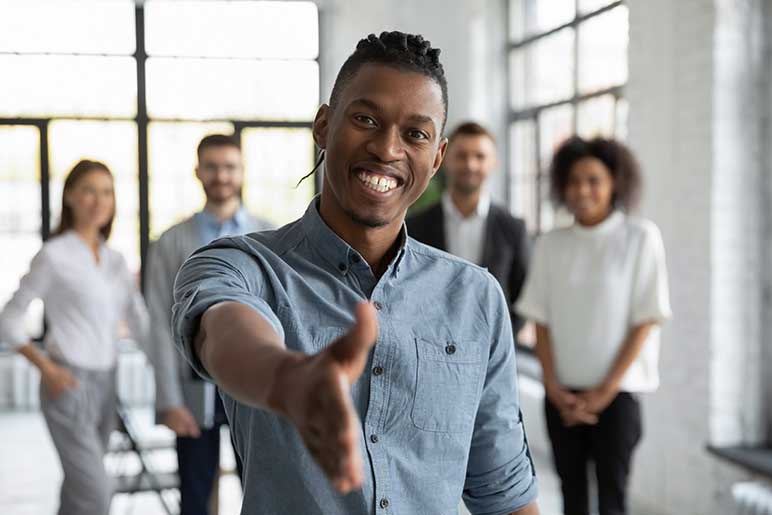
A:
(378, 183)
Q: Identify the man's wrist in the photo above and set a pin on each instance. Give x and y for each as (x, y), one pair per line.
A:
(283, 382)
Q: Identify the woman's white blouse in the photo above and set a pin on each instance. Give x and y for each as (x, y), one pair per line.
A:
(84, 301)
(590, 287)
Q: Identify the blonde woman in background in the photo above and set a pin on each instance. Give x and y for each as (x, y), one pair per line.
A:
(87, 290)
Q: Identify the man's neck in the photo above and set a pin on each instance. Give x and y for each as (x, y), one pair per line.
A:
(223, 210)
(466, 203)
(378, 246)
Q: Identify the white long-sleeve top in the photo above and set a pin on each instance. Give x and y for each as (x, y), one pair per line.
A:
(84, 300)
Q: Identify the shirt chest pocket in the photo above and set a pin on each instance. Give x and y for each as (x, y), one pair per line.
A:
(447, 387)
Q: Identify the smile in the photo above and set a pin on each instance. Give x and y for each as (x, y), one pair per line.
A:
(375, 182)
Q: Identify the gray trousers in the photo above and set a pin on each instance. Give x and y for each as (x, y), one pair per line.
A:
(80, 421)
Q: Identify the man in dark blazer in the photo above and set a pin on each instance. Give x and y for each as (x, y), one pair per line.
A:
(467, 224)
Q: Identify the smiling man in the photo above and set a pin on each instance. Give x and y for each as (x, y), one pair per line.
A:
(363, 372)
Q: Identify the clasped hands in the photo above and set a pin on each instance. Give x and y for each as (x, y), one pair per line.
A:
(582, 407)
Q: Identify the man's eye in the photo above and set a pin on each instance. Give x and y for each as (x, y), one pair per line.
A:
(417, 134)
(364, 119)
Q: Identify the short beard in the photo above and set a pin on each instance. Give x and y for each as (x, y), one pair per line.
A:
(371, 223)
(465, 189)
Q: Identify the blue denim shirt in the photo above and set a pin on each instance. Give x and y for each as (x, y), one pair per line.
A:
(438, 399)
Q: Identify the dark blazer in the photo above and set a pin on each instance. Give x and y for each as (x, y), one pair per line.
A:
(506, 248)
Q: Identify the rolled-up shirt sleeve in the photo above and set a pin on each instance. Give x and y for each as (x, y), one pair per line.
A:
(500, 475)
(214, 274)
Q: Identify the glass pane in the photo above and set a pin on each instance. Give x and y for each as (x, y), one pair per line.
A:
(524, 171)
(48, 85)
(115, 144)
(20, 211)
(544, 15)
(517, 11)
(544, 70)
(588, 6)
(595, 117)
(603, 51)
(276, 159)
(205, 89)
(555, 126)
(88, 27)
(518, 83)
(272, 30)
(175, 193)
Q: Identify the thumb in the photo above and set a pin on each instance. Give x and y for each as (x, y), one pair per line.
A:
(356, 344)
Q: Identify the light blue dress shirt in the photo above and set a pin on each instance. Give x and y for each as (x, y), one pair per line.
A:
(438, 399)
(210, 228)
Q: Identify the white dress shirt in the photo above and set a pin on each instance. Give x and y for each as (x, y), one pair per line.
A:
(590, 287)
(84, 303)
(465, 236)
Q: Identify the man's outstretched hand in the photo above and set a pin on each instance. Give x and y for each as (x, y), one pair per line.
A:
(313, 392)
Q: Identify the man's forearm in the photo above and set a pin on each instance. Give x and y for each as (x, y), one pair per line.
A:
(242, 352)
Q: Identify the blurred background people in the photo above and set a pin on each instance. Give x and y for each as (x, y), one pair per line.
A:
(88, 291)
(467, 224)
(597, 291)
(186, 404)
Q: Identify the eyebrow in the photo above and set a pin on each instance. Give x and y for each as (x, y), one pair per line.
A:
(413, 118)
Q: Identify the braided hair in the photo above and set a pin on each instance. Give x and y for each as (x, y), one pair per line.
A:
(407, 52)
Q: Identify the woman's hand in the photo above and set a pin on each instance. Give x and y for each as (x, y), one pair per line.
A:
(572, 407)
(56, 380)
(597, 399)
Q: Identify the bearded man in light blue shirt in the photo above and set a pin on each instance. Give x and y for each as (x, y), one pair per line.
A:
(185, 403)
(363, 372)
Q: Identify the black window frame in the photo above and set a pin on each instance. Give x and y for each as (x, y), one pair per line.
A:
(142, 121)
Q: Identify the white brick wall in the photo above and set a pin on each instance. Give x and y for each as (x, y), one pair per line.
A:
(695, 123)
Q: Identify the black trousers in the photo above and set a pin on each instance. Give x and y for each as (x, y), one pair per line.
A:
(609, 444)
(198, 461)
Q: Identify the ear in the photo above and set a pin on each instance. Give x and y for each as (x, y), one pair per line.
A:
(440, 155)
(321, 126)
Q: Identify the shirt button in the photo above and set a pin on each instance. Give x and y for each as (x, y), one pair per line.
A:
(384, 503)
(377, 371)
(450, 349)
(341, 267)
(374, 438)
(378, 306)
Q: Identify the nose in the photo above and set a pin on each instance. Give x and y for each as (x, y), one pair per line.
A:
(584, 189)
(471, 164)
(221, 174)
(386, 145)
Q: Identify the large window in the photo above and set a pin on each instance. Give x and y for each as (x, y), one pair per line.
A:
(137, 85)
(568, 68)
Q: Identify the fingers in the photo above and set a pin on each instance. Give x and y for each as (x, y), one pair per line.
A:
(355, 345)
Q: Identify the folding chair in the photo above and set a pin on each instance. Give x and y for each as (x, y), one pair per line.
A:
(148, 479)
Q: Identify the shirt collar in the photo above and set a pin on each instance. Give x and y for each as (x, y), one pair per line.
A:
(339, 254)
(239, 219)
(450, 209)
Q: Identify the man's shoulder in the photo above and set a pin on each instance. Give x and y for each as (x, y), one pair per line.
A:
(455, 267)
(501, 214)
(262, 242)
(257, 223)
(178, 231)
